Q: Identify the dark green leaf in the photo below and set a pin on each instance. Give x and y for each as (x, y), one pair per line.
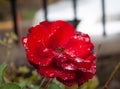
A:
(60, 85)
(2, 68)
(53, 86)
(23, 83)
(10, 86)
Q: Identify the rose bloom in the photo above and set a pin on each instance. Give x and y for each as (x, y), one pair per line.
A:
(55, 49)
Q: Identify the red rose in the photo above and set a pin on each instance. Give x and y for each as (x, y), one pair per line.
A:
(56, 50)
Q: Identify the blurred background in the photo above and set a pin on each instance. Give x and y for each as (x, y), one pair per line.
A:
(98, 18)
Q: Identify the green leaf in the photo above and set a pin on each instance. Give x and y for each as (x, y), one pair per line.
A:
(10, 86)
(53, 86)
(2, 68)
(23, 69)
(23, 83)
(60, 85)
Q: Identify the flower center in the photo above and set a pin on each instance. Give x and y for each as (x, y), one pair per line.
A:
(59, 49)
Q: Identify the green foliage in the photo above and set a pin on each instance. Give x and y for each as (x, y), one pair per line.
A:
(4, 85)
(60, 85)
(56, 85)
(8, 40)
(53, 86)
(23, 69)
(10, 86)
(2, 68)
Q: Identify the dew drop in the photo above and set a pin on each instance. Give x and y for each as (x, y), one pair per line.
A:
(75, 37)
(80, 46)
(88, 49)
(51, 74)
(78, 60)
(69, 67)
(45, 50)
(87, 39)
(31, 55)
(65, 78)
(25, 40)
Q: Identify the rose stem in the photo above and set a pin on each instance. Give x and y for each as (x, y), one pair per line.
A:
(116, 69)
(43, 80)
(49, 81)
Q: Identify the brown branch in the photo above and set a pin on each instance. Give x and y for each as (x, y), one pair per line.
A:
(112, 76)
(49, 81)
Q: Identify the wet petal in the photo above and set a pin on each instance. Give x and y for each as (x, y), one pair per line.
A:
(68, 66)
(43, 55)
(91, 57)
(24, 42)
(67, 82)
(39, 57)
(48, 72)
(62, 32)
(31, 59)
(34, 44)
(52, 71)
(79, 46)
(47, 26)
(84, 65)
(65, 74)
(83, 77)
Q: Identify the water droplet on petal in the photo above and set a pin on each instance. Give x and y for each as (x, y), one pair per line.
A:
(45, 50)
(25, 40)
(80, 46)
(75, 37)
(88, 49)
(87, 39)
(65, 78)
(78, 60)
(69, 67)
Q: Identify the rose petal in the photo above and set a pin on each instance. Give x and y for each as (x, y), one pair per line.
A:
(68, 66)
(62, 32)
(44, 56)
(48, 72)
(35, 43)
(39, 57)
(47, 26)
(67, 82)
(84, 65)
(91, 57)
(79, 46)
(54, 71)
(39, 35)
(65, 74)
(31, 59)
(83, 77)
